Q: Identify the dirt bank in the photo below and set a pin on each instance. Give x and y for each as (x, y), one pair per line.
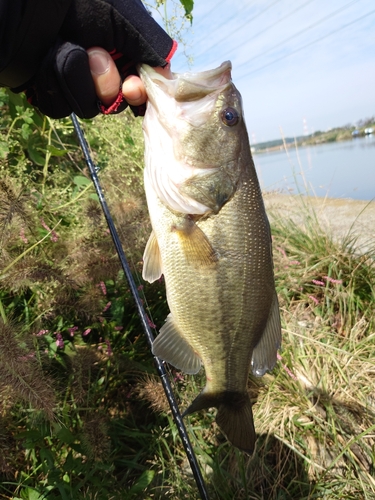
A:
(340, 216)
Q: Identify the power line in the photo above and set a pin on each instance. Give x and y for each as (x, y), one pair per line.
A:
(272, 25)
(304, 30)
(216, 28)
(237, 29)
(206, 14)
(307, 45)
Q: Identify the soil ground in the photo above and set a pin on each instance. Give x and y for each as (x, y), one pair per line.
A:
(339, 216)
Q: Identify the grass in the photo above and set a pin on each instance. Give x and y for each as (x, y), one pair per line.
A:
(82, 413)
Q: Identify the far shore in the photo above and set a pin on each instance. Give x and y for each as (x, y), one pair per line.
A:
(338, 134)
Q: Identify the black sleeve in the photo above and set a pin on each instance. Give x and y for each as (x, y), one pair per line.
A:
(20, 22)
(43, 49)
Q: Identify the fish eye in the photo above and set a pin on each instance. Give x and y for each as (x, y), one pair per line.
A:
(229, 116)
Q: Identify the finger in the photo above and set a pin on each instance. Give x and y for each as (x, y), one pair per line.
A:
(105, 75)
(134, 91)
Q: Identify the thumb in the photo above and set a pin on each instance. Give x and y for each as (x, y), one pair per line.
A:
(105, 75)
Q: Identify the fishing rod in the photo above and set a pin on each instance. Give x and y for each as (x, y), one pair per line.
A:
(93, 169)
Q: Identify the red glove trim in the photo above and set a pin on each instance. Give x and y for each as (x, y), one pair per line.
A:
(172, 51)
(114, 106)
(115, 55)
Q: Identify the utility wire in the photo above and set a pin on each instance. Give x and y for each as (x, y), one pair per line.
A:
(142, 314)
(248, 21)
(295, 35)
(272, 25)
(307, 45)
(201, 41)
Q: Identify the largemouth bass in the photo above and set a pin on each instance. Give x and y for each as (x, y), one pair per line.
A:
(211, 241)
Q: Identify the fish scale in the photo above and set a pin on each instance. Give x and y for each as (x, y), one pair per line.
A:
(217, 264)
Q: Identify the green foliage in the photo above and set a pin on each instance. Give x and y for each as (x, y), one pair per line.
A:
(188, 6)
(69, 336)
(82, 414)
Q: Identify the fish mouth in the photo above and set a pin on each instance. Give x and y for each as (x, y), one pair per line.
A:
(185, 87)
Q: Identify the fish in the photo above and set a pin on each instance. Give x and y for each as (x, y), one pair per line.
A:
(211, 241)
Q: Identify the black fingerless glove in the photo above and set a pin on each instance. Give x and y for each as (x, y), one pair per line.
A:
(63, 81)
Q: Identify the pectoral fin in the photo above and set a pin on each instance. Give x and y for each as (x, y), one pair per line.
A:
(170, 346)
(195, 244)
(152, 268)
(265, 352)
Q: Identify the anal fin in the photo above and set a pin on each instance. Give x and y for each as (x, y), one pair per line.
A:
(170, 346)
(152, 267)
(265, 352)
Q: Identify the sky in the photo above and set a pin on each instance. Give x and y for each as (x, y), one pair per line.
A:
(300, 65)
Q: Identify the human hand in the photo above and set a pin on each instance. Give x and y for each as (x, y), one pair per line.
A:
(73, 80)
(107, 80)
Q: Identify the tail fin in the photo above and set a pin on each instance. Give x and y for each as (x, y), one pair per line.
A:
(234, 416)
(235, 419)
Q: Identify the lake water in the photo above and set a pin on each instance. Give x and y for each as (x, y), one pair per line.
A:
(337, 170)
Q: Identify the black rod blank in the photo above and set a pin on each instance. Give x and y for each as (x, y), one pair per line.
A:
(142, 314)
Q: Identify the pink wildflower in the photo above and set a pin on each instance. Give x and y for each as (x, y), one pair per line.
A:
(59, 340)
(54, 236)
(281, 250)
(317, 282)
(41, 332)
(103, 287)
(150, 323)
(295, 262)
(44, 225)
(140, 288)
(72, 330)
(108, 305)
(22, 235)
(109, 348)
(314, 299)
(27, 356)
(119, 328)
(331, 280)
(291, 375)
(178, 376)
(86, 332)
